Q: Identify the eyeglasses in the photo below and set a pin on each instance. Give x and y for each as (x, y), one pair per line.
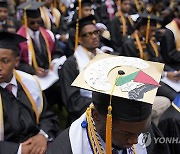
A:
(39, 22)
(89, 34)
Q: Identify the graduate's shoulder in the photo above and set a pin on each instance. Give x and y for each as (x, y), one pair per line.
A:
(61, 145)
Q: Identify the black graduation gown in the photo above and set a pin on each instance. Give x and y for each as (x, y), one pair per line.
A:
(117, 37)
(168, 50)
(170, 127)
(129, 49)
(41, 56)
(61, 144)
(20, 121)
(75, 103)
(156, 148)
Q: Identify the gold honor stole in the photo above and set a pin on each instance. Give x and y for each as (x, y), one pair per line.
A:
(32, 52)
(174, 28)
(46, 19)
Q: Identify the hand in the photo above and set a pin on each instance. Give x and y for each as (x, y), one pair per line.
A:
(173, 75)
(35, 145)
(41, 72)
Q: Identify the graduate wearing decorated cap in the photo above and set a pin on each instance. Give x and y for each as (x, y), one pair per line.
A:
(123, 91)
(7, 23)
(25, 123)
(75, 99)
(41, 51)
(121, 26)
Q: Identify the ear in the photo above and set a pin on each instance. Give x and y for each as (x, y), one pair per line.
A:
(17, 60)
(95, 115)
(79, 40)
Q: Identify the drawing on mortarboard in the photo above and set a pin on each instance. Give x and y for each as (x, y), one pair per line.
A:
(133, 84)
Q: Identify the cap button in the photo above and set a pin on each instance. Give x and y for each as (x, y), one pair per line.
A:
(121, 72)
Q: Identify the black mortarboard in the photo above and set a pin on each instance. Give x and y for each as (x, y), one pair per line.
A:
(84, 21)
(32, 8)
(83, 3)
(143, 20)
(3, 3)
(10, 40)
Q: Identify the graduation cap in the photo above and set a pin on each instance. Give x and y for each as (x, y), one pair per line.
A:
(84, 3)
(148, 20)
(83, 22)
(32, 8)
(10, 40)
(123, 87)
(3, 3)
(79, 24)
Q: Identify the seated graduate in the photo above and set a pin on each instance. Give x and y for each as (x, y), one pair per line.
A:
(75, 99)
(124, 89)
(170, 43)
(7, 22)
(170, 125)
(121, 26)
(143, 43)
(41, 52)
(26, 125)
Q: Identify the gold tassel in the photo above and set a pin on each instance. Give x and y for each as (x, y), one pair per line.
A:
(139, 45)
(137, 6)
(80, 9)
(109, 131)
(77, 34)
(122, 18)
(154, 47)
(147, 30)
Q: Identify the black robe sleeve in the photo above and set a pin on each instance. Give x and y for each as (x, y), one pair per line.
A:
(75, 103)
(168, 50)
(49, 121)
(170, 127)
(8, 147)
(61, 144)
(116, 35)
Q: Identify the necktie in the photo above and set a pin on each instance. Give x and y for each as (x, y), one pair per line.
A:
(36, 40)
(9, 88)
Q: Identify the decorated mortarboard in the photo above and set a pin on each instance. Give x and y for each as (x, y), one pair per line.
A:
(10, 40)
(3, 3)
(123, 88)
(32, 8)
